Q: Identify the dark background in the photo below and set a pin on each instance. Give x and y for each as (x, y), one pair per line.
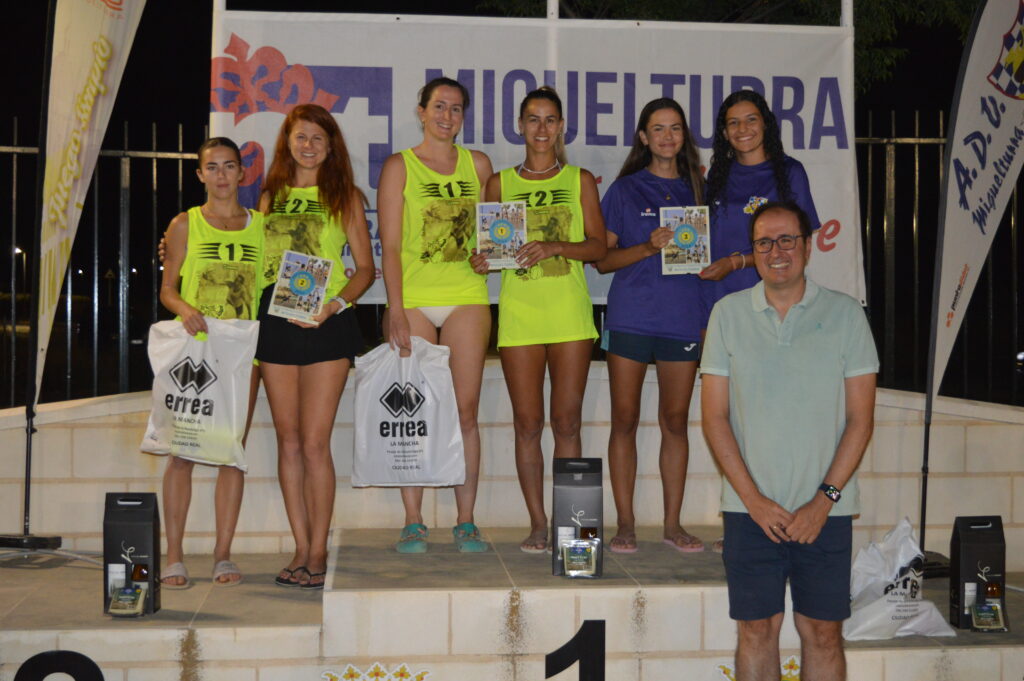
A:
(171, 56)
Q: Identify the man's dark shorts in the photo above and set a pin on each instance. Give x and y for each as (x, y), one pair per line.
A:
(756, 570)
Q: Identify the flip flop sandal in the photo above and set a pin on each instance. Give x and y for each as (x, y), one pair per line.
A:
(623, 545)
(309, 586)
(535, 545)
(225, 568)
(685, 548)
(290, 581)
(175, 570)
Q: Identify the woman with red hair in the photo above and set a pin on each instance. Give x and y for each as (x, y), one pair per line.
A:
(312, 206)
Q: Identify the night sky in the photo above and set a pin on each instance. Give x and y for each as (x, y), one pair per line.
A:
(171, 56)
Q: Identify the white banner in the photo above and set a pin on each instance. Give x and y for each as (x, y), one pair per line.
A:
(91, 41)
(367, 69)
(983, 159)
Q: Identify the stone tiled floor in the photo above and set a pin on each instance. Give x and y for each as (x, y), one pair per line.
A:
(55, 593)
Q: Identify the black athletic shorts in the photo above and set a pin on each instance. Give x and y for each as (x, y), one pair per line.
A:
(281, 342)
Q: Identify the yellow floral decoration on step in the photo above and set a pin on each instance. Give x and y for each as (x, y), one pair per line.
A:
(790, 670)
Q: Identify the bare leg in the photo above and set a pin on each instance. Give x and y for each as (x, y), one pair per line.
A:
(227, 497)
(757, 650)
(821, 649)
(626, 379)
(466, 332)
(568, 365)
(282, 384)
(675, 387)
(523, 366)
(177, 494)
(320, 388)
(412, 497)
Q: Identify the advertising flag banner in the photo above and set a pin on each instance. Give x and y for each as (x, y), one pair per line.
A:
(367, 70)
(91, 41)
(983, 159)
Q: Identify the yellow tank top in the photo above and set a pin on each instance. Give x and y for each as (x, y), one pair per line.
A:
(550, 302)
(220, 275)
(438, 233)
(302, 224)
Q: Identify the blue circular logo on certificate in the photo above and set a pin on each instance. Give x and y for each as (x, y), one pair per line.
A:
(501, 231)
(301, 283)
(686, 236)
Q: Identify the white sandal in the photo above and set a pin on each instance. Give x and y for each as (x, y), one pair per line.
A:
(224, 568)
(175, 570)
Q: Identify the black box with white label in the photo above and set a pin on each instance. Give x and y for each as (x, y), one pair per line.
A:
(977, 566)
(131, 547)
(577, 510)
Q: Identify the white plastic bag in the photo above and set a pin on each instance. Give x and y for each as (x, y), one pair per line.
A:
(201, 390)
(885, 584)
(407, 423)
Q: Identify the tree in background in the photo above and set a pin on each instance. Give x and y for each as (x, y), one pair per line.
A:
(877, 22)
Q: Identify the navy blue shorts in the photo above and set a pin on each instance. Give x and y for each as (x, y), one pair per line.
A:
(646, 349)
(756, 570)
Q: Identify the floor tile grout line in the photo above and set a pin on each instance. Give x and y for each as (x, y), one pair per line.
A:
(199, 608)
(508, 573)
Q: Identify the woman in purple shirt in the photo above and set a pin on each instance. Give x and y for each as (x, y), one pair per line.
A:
(748, 168)
(651, 316)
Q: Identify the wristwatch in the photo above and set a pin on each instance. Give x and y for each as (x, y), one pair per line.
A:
(832, 492)
(341, 301)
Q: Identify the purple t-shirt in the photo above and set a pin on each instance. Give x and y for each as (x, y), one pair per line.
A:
(746, 189)
(642, 300)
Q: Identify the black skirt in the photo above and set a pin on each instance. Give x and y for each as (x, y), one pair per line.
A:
(281, 342)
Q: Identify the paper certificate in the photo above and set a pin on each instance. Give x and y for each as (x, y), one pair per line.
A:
(300, 286)
(500, 232)
(689, 251)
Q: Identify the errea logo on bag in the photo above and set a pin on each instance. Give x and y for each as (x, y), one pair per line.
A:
(187, 374)
(402, 400)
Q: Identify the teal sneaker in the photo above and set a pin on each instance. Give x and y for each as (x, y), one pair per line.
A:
(467, 538)
(413, 539)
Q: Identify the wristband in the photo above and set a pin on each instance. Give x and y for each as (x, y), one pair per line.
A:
(344, 304)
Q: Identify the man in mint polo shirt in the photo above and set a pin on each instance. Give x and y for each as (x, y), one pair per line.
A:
(788, 398)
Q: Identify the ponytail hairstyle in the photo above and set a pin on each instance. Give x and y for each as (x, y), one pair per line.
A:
(214, 142)
(335, 180)
(688, 158)
(547, 92)
(442, 81)
(723, 155)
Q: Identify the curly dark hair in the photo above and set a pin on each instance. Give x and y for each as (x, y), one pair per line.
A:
(723, 156)
(688, 158)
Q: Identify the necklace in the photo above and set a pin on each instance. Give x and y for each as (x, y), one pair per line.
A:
(667, 189)
(522, 167)
(224, 225)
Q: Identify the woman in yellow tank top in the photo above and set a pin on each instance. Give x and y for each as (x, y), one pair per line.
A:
(545, 315)
(233, 253)
(426, 207)
(310, 196)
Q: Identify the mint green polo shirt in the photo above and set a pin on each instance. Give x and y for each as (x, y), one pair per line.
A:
(787, 397)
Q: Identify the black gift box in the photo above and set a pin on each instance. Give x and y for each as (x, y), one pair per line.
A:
(131, 538)
(977, 559)
(577, 507)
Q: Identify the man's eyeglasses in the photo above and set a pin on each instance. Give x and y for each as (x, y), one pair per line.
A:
(786, 242)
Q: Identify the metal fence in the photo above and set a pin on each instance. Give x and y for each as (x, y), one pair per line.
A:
(110, 294)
